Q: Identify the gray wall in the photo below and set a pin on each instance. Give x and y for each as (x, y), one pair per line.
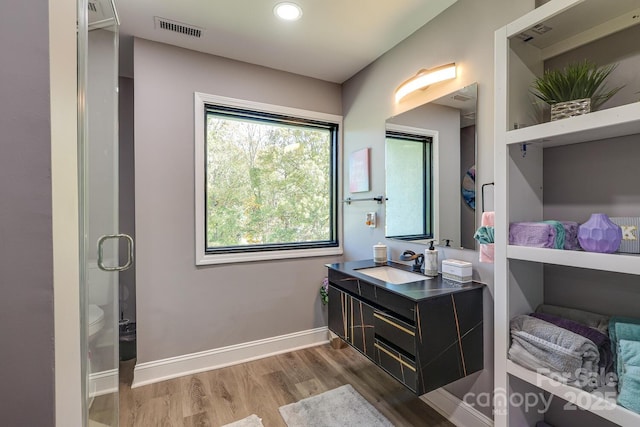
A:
(595, 177)
(464, 33)
(182, 309)
(126, 193)
(26, 264)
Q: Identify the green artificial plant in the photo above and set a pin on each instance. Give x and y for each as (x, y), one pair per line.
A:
(324, 291)
(575, 81)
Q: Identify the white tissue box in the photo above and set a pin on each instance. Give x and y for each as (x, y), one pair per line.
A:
(454, 269)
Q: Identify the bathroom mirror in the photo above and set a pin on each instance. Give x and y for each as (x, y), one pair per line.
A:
(430, 158)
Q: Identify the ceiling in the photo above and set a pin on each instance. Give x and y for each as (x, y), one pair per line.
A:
(332, 41)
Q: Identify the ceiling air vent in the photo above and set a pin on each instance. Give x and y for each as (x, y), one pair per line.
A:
(462, 98)
(92, 7)
(178, 27)
(525, 37)
(541, 29)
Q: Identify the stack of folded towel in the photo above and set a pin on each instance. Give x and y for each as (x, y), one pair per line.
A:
(545, 234)
(601, 340)
(625, 340)
(554, 351)
(577, 346)
(540, 234)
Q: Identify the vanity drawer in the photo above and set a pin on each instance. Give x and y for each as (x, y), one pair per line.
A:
(377, 295)
(395, 331)
(396, 364)
(353, 285)
(399, 305)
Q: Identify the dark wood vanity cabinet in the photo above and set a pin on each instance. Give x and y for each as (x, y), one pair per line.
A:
(426, 334)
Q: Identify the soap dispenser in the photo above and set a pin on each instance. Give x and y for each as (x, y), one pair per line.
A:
(431, 261)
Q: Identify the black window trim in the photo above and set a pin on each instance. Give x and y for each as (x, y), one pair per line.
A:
(427, 159)
(275, 118)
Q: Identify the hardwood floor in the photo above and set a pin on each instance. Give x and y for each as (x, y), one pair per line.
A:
(221, 396)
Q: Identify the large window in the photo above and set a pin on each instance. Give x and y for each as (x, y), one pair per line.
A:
(268, 182)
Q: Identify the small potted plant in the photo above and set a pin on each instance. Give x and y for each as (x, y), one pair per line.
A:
(576, 89)
(324, 291)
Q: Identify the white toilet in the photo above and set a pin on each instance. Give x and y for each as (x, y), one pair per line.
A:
(95, 321)
(100, 289)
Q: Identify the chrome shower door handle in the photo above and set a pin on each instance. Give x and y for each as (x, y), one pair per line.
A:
(129, 262)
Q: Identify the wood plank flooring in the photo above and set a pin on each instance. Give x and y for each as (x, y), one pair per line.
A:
(221, 396)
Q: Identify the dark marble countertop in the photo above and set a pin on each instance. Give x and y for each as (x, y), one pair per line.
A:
(422, 289)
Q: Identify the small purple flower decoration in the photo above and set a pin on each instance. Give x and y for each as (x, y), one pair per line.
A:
(324, 291)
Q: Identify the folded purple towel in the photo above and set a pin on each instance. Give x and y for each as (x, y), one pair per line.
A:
(535, 234)
(571, 235)
(601, 340)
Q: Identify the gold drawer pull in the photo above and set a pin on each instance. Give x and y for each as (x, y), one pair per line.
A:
(393, 356)
(402, 328)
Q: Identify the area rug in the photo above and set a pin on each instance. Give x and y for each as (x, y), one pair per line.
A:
(339, 407)
(251, 421)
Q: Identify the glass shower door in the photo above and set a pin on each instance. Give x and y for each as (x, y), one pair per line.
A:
(100, 243)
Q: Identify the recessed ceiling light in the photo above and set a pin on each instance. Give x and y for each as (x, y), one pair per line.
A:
(288, 11)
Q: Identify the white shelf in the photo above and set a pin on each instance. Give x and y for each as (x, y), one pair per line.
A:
(618, 263)
(613, 122)
(594, 403)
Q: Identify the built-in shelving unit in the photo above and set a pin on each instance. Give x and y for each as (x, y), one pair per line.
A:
(523, 50)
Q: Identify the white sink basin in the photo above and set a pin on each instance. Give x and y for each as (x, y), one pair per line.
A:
(392, 275)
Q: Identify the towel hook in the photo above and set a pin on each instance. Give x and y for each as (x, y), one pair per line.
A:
(482, 189)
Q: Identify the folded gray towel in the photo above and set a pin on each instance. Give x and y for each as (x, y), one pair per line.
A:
(601, 340)
(537, 344)
(593, 320)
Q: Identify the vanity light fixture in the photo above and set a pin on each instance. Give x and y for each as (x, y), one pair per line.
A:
(288, 11)
(425, 78)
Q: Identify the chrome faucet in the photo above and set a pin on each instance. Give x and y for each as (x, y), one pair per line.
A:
(418, 259)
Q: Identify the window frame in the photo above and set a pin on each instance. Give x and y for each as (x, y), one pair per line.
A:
(261, 252)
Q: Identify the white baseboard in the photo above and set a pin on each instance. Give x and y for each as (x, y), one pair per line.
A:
(455, 410)
(103, 382)
(173, 367)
